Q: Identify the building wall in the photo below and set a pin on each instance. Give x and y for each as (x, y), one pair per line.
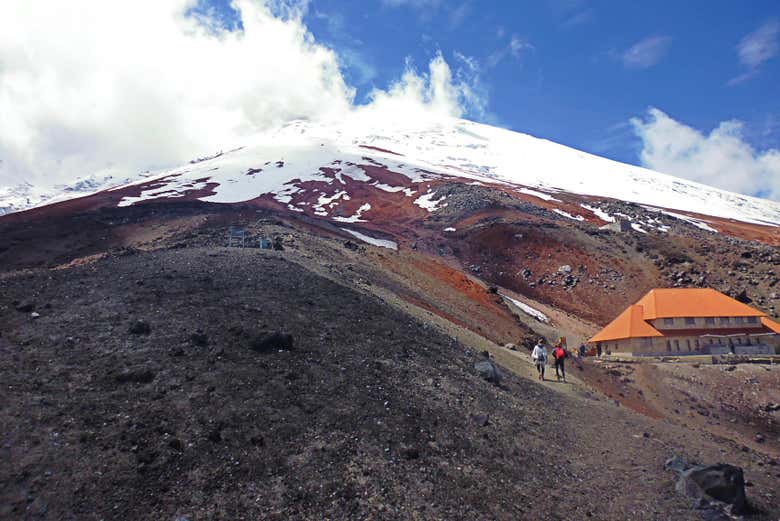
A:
(775, 342)
(705, 323)
(686, 345)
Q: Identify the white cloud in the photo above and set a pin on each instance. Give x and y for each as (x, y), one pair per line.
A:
(516, 47)
(756, 48)
(96, 87)
(423, 97)
(760, 45)
(459, 15)
(583, 17)
(646, 53)
(417, 4)
(721, 158)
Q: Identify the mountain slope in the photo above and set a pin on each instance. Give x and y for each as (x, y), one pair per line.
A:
(301, 159)
(372, 413)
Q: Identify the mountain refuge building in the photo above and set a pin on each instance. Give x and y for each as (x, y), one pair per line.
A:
(689, 321)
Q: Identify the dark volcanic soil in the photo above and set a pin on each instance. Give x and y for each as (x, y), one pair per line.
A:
(369, 416)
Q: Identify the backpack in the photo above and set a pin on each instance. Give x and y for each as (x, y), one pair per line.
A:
(559, 353)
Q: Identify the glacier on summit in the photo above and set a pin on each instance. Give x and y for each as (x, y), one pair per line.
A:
(275, 162)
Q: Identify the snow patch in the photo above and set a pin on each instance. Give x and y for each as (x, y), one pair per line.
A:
(540, 195)
(690, 220)
(598, 212)
(355, 218)
(449, 229)
(638, 227)
(426, 201)
(528, 310)
(173, 188)
(383, 243)
(394, 189)
(568, 215)
(330, 201)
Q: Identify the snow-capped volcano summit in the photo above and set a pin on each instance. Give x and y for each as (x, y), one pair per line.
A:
(316, 167)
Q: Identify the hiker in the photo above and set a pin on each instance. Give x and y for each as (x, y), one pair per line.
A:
(559, 354)
(582, 350)
(539, 356)
(598, 350)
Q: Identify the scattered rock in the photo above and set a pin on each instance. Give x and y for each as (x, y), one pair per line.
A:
(25, 307)
(146, 457)
(266, 342)
(760, 438)
(199, 338)
(482, 420)
(215, 434)
(143, 376)
(410, 453)
(351, 246)
(35, 315)
(139, 327)
(565, 269)
(742, 296)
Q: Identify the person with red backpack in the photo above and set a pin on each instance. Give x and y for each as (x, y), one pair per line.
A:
(559, 355)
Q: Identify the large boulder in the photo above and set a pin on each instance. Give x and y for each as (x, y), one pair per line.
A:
(488, 371)
(722, 482)
(718, 490)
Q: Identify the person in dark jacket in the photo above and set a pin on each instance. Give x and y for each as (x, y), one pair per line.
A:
(559, 355)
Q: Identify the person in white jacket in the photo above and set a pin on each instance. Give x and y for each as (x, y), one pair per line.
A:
(539, 356)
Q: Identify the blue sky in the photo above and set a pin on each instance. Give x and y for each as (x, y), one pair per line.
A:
(564, 69)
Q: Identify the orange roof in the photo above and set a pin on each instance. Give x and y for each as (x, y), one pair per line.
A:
(676, 303)
(629, 324)
(693, 302)
(771, 324)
